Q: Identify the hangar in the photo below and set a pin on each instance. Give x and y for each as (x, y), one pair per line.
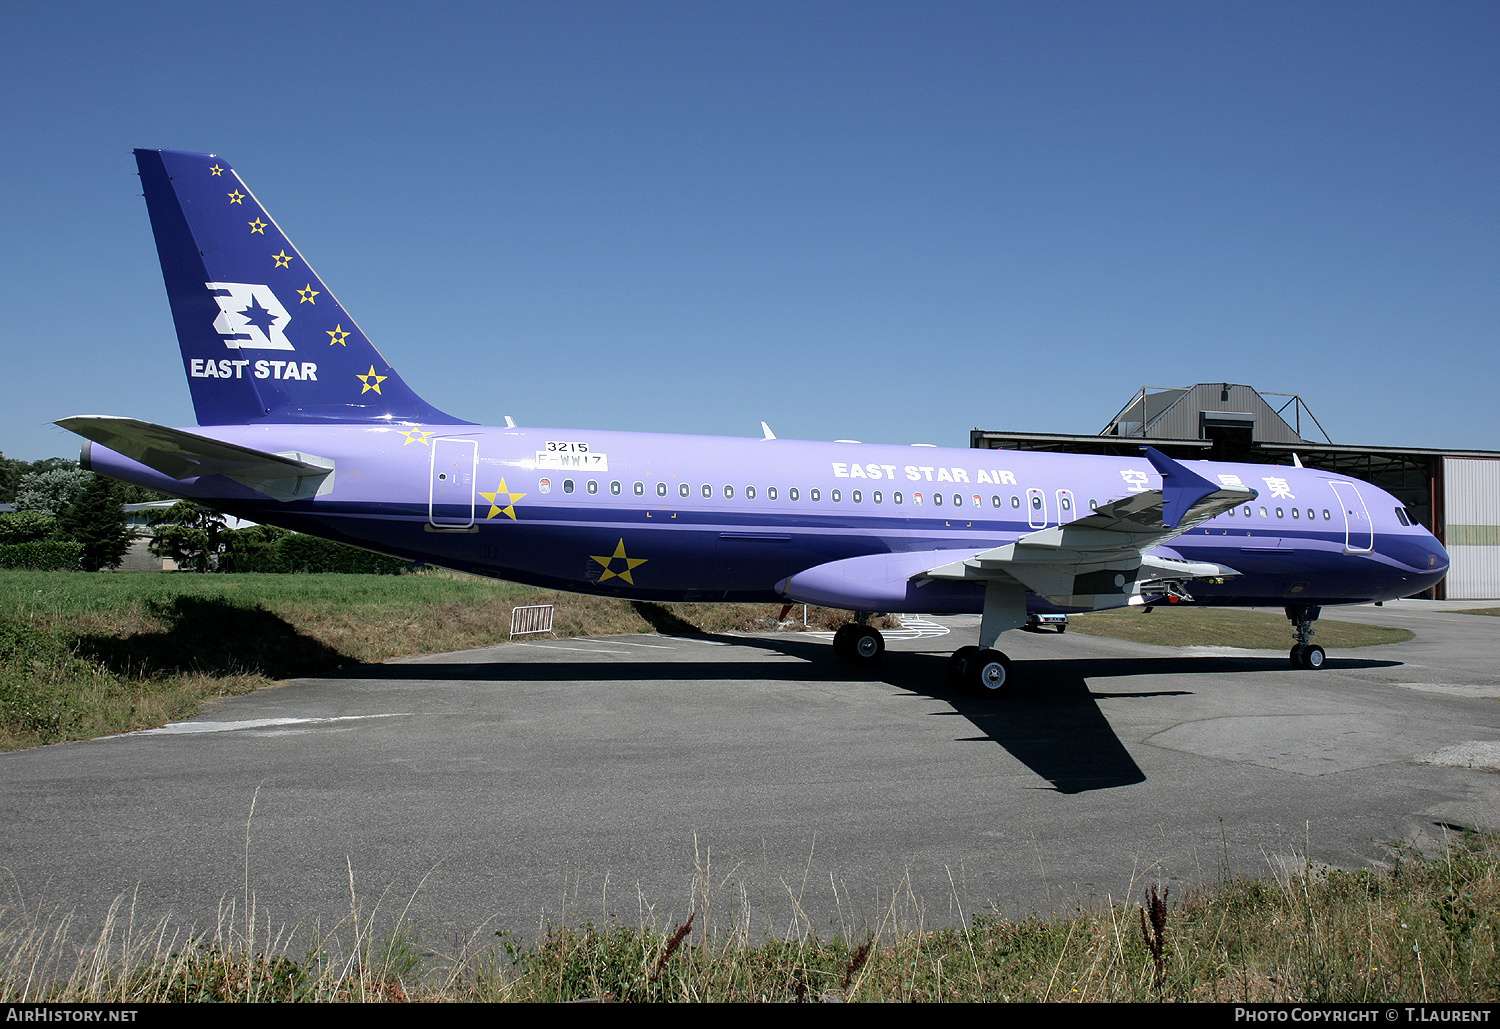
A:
(1455, 493)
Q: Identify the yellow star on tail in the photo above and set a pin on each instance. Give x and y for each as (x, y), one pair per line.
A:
(508, 505)
(371, 380)
(631, 563)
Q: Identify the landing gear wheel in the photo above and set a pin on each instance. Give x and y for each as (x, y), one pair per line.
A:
(858, 644)
(1309, 657)
(1295, 656)
(988, 673)
(957, 666)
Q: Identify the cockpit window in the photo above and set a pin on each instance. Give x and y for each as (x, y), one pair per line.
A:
(1401, 516)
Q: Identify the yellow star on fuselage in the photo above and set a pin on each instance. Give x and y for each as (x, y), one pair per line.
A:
(418, 436)
(631, 563)
(371, 380)
(508, 505)
(307, 293)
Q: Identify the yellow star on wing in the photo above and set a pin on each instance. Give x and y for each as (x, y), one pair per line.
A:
(418, 436)
(371, 380)
(508, 505)
(236, 197)
(339, 335)
(631, 563)
(283, 259)
(257, 226)
(307, 293)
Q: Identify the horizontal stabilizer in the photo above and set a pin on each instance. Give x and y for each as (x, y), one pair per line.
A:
(185, 455)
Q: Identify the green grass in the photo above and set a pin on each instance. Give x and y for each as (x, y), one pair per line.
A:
(1426, 930)
(1480, 611)
(1191, 626)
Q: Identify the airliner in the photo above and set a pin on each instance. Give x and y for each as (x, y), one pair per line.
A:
(303, 424)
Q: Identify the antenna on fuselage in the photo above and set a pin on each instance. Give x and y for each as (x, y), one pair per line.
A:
(510, 423)
(766, 429)
(1296, 460)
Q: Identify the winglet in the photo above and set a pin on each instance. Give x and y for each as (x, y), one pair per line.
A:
(1180, 488)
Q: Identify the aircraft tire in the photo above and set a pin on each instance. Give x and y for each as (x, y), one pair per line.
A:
(1313, 658)
(858, 644)
(865, 646)
(989, 674)
(957, 665)
(841, 643)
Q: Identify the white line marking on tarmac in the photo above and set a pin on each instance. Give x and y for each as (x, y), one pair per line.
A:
(188, 728)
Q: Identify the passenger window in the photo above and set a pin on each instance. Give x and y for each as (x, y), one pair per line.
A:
(1327, 515)
(876, 496)
(593, 486)
(837, 496)
(661, 489)
(1015, 502)
(1247, 511)
(1311, 514)
(1036, 501)
(792, 493)
(1094, 506)
(1067, 503)
(728, 492)
(614, 489)
(708, 492)
(1296, 513)
(1263, 513)
(994, 501)
(896, 498)
(683, 490)
(814, 494)
(1278, 512)
(853, 495)
(958, 501)
(640, 489)
(749, 492)
(770, 492)
(937, 498)
(567, 485)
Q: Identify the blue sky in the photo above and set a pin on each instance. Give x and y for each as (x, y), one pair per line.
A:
(881, 221)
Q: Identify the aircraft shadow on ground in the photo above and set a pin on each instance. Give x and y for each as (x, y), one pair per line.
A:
(1051, 722)
(214, 637)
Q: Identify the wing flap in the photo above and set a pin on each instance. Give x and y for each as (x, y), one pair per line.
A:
(1101, 560)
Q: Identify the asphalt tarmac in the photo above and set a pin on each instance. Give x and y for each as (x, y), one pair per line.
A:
(759, 781)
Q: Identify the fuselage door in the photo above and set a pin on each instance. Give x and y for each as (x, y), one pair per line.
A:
(1065, 512)
(1359, 535)
(1036, 508)
(450, 496)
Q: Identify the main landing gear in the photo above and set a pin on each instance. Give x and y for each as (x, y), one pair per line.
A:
(859, 644)
(1305, 654)
(982, 670)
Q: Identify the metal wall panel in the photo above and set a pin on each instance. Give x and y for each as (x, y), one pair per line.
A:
(1471, 503)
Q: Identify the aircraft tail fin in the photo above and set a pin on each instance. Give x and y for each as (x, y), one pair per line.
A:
(262, 338)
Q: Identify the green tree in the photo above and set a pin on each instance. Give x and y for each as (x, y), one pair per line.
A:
(96, 519)
(26, 527)
(190, 535)
(51, 491)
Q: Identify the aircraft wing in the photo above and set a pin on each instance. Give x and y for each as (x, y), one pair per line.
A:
(1098, 560)
(185, 455)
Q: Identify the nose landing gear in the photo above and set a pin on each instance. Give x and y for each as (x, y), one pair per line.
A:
(1305, 654)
